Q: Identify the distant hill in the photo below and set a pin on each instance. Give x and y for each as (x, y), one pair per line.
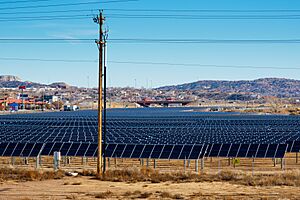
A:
(5, 78)
(280, 87)
(9, 81)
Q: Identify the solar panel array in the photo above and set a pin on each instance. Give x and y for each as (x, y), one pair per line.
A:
(177, 133)
(145, 151)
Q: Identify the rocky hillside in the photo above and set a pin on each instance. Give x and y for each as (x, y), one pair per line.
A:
(8, 81)
(266, 86)
(6, 78)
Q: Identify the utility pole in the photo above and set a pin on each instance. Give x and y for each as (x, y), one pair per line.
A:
(104, 110)
(100, 20)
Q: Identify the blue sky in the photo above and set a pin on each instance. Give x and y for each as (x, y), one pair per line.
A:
(260, 55)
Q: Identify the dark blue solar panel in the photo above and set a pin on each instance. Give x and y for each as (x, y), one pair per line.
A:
(65, 149)
(214, 152)
(157, 151)
(9, 149)
(224, 150)
(128, 151)
(27, 149)
(280, 151)
(18, 149)
(2, 148)
(243, 150)
(91, 150)
(176, 152)
(271, 152)
(73, 132)
(296, 146)
(252, 151)
(73, 149)
(110, 149)
(36, 150)
(56, 147)
(137, 151)
(166, 152)
(147, 151)
(118, 150)
(234, 149)
(186, 151)
(82, 149)
(195, 153)
(262, 150)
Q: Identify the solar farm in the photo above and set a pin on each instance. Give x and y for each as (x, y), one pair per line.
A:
(152, 134)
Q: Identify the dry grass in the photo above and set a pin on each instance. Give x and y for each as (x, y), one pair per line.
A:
(77, 183)
(73, 196)
(104, 195)
(289, 178)
(167, 195)
(145, 195)
(28, 175)
(88, 172)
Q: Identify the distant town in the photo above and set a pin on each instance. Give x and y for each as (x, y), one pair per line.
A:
(262, 95)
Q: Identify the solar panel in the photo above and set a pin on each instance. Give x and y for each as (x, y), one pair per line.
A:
(150, 133)
(138, 149)
(18, 149)
(157, 151)
(9, 149)
(127, 152)
(186, 151)
(147, 151)
(176, 151)
(233, 151)
(3, 148)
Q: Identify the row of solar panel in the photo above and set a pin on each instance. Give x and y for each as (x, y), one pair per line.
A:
(146, 151)
(197, 151)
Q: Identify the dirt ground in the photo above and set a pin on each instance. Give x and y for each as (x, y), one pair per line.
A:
(85, 187)
(90, 188)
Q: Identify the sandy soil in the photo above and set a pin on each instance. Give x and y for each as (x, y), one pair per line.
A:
(89, 188)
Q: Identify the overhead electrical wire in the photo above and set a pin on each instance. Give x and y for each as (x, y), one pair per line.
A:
(67, 4)
(204, 10)
(204, 17)
(170, 17)
(152, 41)
(45, 40)
(23, 1)
(47, 60)
(42, 18)
(207, 41)
(200, 65)
(145, 63)
(49, 12)
(108, 10)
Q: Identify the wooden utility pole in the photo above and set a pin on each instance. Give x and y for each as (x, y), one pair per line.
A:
(100, 20)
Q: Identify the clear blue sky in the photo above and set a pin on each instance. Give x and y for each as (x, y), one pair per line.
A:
(261, 55)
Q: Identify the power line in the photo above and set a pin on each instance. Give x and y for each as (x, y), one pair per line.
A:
(45, 19)
(201, 65)
(45, 40)
(48, 60)
(171, 17)
(48, 12)
(66, 4)
(205, 17)
(206, 10)
(153, 10)
(23, 1)
(42, 18)
(153, 41)
(208, 41)
(146, 63)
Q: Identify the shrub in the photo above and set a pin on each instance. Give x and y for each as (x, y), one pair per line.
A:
(104, 195)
